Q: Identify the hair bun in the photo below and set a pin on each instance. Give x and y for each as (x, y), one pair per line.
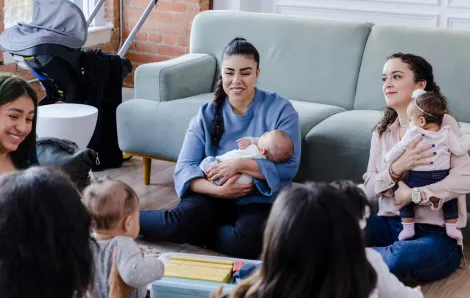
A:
(237, 39)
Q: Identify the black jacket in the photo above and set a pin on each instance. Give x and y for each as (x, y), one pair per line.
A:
(103, 74)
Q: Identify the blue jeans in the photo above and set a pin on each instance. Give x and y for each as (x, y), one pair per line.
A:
(429, 255)
(422, 178)
(218, 224)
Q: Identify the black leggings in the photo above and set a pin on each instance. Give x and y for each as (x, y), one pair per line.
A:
(218, 224)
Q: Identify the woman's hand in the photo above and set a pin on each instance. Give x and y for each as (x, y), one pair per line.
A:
(412, 157)
(232, 190)
(223, 171)
(402, 195)
(117, 287)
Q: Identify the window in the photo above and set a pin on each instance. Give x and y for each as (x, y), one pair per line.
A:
(22, 11)
(17, 11)
(87, 8)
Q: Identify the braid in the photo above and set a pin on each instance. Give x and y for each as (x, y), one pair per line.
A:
(217, 123)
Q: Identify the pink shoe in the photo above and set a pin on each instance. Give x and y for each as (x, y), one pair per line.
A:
(408, 231)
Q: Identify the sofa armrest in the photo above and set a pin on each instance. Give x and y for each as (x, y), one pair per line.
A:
(185, 76)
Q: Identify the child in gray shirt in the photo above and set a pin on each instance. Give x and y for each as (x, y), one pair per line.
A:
(115, 210)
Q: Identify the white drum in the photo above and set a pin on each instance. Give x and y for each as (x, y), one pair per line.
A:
(73, 122)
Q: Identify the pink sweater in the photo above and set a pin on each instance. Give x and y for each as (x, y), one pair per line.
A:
(379, 184)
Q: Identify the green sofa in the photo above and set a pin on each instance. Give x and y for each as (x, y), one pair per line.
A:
(330, 70)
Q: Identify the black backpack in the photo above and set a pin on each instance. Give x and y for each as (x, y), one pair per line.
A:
(68, 157)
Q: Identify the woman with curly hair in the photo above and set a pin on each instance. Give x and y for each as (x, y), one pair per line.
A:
(430, 254)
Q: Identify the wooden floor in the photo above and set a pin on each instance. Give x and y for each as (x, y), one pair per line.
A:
(160, 194)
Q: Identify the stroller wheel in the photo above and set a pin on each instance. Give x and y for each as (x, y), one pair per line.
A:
(126, 156)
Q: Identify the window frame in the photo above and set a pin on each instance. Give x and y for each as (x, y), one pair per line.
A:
(99, 31)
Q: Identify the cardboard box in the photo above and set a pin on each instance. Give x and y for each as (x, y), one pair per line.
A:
(174, 287)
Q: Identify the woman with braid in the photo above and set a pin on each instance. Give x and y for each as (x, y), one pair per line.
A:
(228, 217)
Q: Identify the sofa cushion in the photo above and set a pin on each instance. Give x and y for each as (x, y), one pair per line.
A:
(465, 128)
(446, 50)
(303, 59)
(338, 147)
(156, 128)
(169, 121)
(310, 114)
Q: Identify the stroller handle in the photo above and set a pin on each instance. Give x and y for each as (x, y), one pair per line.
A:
(94, 12)
(122, 51)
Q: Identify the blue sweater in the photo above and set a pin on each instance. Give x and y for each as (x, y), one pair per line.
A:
(268, 111)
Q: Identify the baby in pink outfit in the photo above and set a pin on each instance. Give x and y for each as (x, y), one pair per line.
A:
(426, 113)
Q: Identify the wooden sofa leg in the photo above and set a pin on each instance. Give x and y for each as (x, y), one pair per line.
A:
(147, 167)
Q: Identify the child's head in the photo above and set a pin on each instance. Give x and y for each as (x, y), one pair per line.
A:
(426, 108)
(276, 145)
(312, 247)
(45, 232)
(114, 206)
(356, 200)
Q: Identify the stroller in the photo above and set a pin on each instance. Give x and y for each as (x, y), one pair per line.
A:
(51, 48)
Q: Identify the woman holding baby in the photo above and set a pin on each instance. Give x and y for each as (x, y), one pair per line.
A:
(428, 251)
(215, 211)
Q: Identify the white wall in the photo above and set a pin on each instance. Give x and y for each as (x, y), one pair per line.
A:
(242, 5)
(429, 13)
(127, 93)
(226, 5)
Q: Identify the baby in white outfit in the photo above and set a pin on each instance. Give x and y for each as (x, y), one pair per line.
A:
(274, 145)
(115, 209)
(426, 113)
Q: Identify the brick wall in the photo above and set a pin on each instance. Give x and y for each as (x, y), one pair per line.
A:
(164, 35)
(112, 16)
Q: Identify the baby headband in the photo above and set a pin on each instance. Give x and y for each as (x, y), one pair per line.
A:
(415, 95)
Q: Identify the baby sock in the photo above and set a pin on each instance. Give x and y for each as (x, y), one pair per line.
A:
(408, 231)
(453, 232)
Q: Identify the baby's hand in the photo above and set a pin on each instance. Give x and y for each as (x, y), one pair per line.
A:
(243, 143)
